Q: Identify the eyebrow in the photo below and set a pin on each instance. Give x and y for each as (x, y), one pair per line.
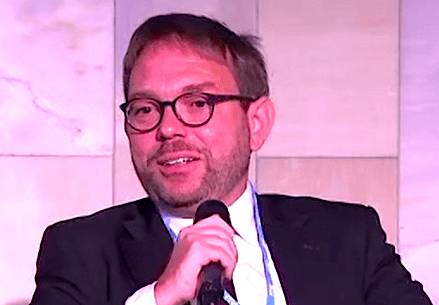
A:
(192, 88)
(198, 87)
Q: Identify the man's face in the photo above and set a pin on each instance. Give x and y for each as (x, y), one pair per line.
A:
(181, 166)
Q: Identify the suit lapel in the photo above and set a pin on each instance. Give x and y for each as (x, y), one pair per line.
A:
(301, 253)
(283, 234)
(146, 244)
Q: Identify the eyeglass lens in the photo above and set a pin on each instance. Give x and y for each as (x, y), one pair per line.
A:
(191, 109)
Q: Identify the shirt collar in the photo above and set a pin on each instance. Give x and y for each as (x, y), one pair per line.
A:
(241, 215)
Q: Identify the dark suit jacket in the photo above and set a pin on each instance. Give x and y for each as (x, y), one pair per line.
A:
(324, 252)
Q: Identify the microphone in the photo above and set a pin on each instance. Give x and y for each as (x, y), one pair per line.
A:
(211, 290)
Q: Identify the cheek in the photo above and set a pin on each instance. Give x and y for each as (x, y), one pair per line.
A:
(140, 144)
(220, 139)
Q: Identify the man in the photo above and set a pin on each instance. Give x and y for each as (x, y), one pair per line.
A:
(196, 106)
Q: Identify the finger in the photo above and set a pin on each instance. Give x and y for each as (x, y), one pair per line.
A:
(224, 247)
(213, 253)
(206, 247)
(195, 235)
(215, 221)
(210, 236)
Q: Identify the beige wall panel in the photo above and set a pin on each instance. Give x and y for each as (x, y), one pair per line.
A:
(126, 185)
(240, 15)
(334, 75)
(56, 77)
(368, 181)
(37, 191)
(419, 212)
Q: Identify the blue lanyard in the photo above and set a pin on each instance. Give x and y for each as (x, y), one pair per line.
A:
(264, 249)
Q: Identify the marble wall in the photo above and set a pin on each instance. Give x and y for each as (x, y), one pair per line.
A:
(419, 149)
(56, 135)
(356, 115)
(337, 101)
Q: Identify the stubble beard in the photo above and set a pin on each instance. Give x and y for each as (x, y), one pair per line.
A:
(221, 176)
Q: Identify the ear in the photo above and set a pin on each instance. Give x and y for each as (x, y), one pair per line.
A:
(260, 117)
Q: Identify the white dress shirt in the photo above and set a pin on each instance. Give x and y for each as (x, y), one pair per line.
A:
(248, 276)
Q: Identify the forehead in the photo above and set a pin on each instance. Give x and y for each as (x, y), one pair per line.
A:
(207, 52)
(166, 68)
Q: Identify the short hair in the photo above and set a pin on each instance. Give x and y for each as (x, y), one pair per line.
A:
(240, 52)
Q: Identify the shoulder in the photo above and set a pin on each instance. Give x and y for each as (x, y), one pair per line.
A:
(350, 226)
(307, 203)
(336, 212)
(102, 223)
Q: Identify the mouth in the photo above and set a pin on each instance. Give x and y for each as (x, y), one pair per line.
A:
(177, 161)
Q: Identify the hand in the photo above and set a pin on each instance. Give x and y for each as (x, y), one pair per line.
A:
(209, 240)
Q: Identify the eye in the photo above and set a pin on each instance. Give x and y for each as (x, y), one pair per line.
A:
(143, 110)
(193, 105)
(199, 104)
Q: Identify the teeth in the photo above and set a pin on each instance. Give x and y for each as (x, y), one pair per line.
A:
(178, 161)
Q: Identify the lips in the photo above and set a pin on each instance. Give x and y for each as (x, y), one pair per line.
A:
(178, 166)
(182, 160)
(176, 159)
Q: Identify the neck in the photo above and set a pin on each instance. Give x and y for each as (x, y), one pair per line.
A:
(189, 211)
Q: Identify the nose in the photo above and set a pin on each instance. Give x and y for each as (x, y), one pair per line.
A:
(170, 126)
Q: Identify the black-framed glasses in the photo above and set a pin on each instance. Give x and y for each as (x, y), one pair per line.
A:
(192, 109)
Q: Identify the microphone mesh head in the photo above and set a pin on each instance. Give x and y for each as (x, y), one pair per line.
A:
(211, 207)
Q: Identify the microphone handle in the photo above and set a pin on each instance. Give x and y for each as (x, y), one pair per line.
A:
(211, 290)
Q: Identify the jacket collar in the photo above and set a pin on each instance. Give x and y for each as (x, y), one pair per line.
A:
(300, 255)
(146, 244)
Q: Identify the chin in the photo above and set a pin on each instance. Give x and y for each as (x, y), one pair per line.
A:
(179, 206)
(178, 198)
